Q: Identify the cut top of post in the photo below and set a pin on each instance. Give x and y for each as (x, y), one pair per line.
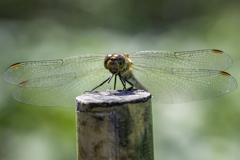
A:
(92, 100)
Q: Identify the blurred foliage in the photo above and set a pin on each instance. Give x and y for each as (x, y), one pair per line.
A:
(37, 30)
(126, 16)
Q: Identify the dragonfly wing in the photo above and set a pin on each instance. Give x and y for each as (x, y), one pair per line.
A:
(56, 82)
(42, 73)
(198, 59)
(168, 85)
(61, 95)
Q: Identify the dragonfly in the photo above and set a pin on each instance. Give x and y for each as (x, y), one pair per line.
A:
(171, 77)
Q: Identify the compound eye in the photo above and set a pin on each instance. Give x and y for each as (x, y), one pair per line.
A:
(121, 61)
(107, 58)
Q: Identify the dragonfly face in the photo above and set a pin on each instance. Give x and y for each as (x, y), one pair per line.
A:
(114, 63)
(171, 77)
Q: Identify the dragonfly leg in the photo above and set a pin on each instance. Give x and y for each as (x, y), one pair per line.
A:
(115, 81)
(123, 82)
(99, 85)
(109, 81)
(128, 89)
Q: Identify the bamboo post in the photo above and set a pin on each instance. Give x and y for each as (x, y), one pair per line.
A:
(114, 125)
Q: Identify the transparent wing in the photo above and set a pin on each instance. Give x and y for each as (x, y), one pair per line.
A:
(62, 95)
(174, 77)
(185, 85)
(198, 59)
(52, 72)
(56, 82)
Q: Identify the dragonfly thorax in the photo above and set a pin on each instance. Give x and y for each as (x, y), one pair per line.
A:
(115, 63)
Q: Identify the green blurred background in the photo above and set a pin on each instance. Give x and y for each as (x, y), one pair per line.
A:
(54, 29)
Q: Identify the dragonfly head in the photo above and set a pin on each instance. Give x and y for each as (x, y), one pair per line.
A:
(114, 63)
